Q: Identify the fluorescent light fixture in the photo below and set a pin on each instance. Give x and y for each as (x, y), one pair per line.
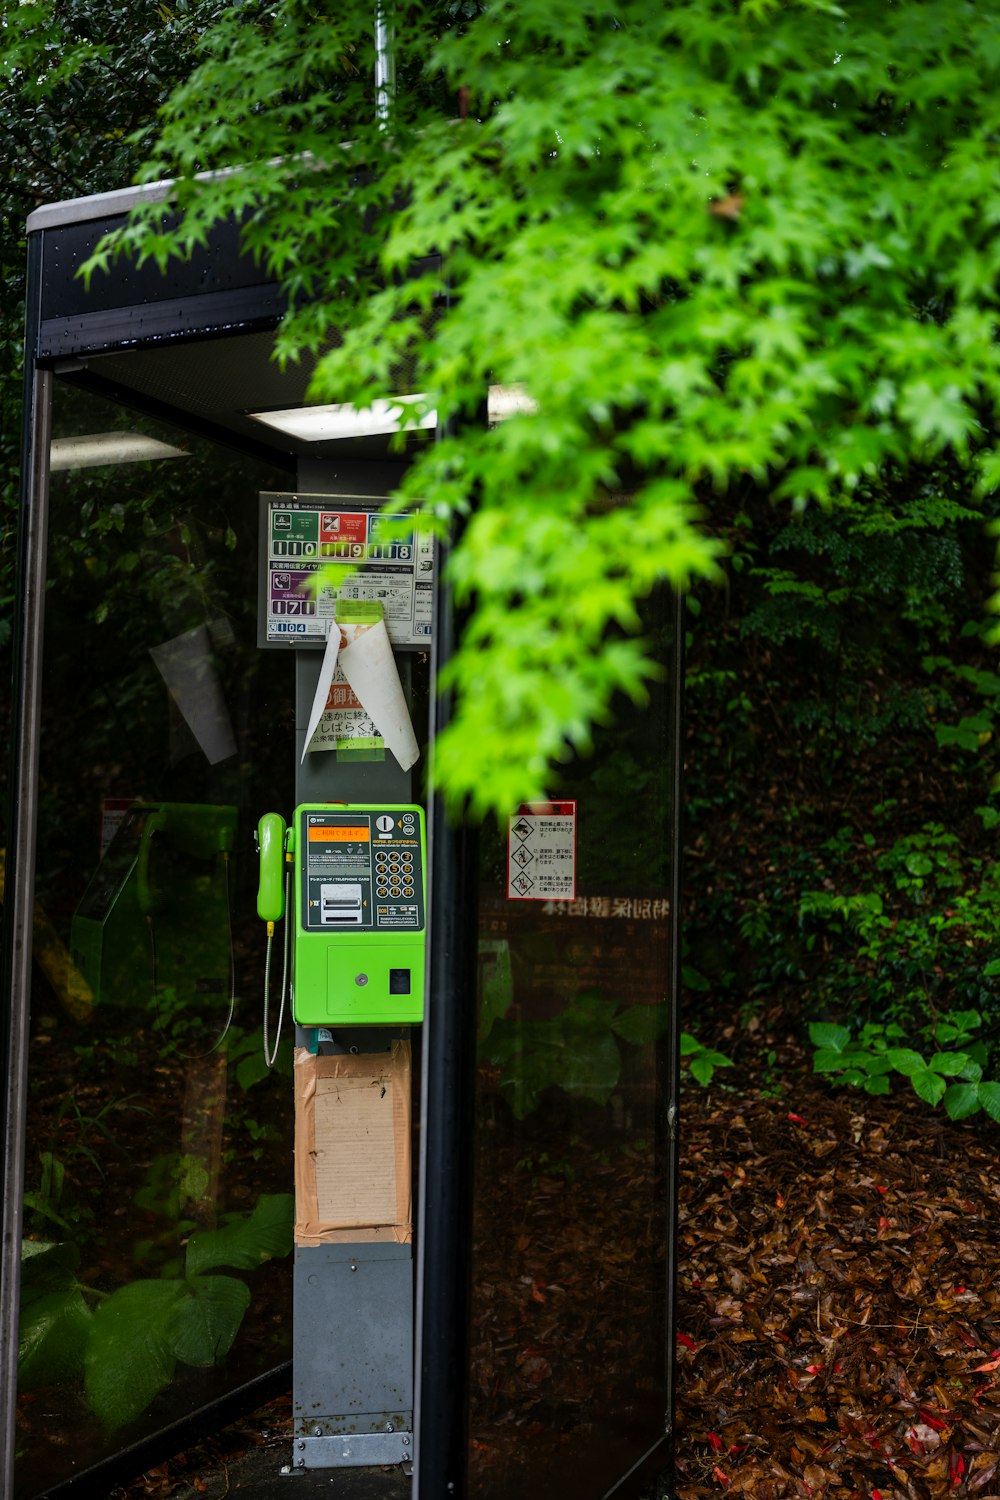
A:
(322, 424)
(509, 401)
(98, 448)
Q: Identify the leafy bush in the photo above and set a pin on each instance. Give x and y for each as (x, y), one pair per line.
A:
(924, 939)
(127, 1345)
(869, 1059)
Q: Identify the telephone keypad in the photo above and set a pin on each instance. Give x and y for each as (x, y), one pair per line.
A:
(394, 877)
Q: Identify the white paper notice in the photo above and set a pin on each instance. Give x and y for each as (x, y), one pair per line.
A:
(364, 655)
(327, 670)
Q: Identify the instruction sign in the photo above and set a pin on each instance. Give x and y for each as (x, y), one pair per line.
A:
(541, 852)
(306, 540)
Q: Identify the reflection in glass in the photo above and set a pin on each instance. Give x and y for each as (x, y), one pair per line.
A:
(569, 1274)
(158, 1210)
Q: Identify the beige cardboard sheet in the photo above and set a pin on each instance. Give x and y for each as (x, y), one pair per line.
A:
(352, 1147)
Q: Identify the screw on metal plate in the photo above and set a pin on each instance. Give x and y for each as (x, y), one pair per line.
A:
(406, 1442)
(354, 1265)
(300, 1463)
(389, 1427)
(302, 1447)
(317, 1431)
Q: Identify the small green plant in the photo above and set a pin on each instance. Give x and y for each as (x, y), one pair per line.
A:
(245, 1055)
(702, 1061)
(975, 729)
(172, 1180)
(952, 1074)
(43, 1203)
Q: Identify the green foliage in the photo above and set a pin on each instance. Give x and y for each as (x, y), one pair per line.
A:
(869, 1059)
(173, 1179)
(55, 1317)
(924, 942)
(577, 1050)
(45, 1201)
(128, 1345)
(842, 600)
(243, 1242)
(80, 85)
(246, 1053)
(731, 248)
(702, 1061)
(974, 730)
(497, 994)
(50, 1203)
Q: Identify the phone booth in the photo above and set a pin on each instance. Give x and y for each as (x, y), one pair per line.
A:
(306, 1086)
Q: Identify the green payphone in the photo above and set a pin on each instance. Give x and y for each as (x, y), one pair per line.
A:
(359, 910)
(346, 875)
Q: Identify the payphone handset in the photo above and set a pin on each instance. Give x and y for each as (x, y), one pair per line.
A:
(358, 916)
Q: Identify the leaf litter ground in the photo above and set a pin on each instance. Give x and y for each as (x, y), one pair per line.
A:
(838, 1316)
(839, 1312)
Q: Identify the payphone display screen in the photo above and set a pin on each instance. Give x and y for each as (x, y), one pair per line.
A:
(361, 871)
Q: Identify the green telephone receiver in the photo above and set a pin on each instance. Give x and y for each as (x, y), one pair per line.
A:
(359, 912)
(271, 890)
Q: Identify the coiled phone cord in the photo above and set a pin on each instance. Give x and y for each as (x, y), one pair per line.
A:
(269, 1056)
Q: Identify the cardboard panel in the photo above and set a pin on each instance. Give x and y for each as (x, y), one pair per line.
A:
(352, 1147)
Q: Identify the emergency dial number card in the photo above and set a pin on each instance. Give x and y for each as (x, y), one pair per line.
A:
(307, 540)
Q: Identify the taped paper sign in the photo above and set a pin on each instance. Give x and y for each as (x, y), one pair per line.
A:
(345, 726)
(359, 653)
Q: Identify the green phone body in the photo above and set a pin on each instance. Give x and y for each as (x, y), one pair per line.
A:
(360, 914)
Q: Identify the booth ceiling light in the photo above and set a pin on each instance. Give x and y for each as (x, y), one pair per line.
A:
(509, 401)
(97, 448)
(320, 424)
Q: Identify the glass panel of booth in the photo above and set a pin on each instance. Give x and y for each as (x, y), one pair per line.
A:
(158, 1209)
(568, 1372)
